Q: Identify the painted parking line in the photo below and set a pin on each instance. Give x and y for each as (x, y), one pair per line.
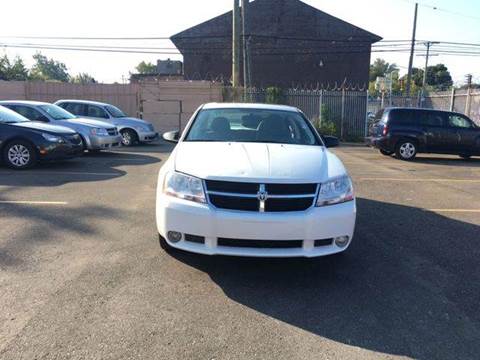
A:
(52, 203)
(417, 180)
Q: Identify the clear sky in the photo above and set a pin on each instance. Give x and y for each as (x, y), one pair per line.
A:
(391, 19)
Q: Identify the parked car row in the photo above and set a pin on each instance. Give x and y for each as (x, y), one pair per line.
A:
(406, 132)
(32, 131)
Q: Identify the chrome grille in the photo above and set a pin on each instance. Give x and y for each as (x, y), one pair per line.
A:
(261, 197)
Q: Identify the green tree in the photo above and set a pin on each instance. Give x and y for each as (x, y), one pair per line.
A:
(83, 78)
(146, 68)
(48, 69)
(439, 77)
(13, 71)
(381, 68)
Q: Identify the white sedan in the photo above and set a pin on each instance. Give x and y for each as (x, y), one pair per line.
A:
(254, 180)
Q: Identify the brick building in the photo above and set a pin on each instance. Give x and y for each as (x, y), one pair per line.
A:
(290, 44)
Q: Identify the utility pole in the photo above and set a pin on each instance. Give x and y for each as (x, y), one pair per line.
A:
(236, 45)
(412, 50)
(244, 45)
(428, 44)
(469, 78)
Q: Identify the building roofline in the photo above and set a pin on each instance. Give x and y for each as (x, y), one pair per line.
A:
(373, 37)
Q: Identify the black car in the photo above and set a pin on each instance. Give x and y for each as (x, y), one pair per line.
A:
(23, 142)
(406, 132)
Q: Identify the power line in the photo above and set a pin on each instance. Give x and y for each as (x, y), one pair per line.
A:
(433, 7)
(261, 52)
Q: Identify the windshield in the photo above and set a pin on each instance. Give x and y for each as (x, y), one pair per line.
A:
(8, 116)
(56, 112)
(115, 112)
(252, 125)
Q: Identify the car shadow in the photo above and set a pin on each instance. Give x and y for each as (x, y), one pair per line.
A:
(409, 285)
(88, 168)
(453, 161)
(43, 224)
(160, 147)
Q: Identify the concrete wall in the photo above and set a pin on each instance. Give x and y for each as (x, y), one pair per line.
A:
(160, 101)
(157, 101)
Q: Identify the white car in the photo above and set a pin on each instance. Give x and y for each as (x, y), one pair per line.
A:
(254, 180)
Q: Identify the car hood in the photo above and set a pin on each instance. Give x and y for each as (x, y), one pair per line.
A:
(130, 121)
(89, 123)
(257, 162)
(45, 127)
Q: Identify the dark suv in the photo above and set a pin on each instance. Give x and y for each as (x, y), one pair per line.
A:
(406, 132)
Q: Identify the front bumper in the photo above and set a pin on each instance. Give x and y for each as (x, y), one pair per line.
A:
(104, 142)
(206, 221)
(148, 136)
(51, 152)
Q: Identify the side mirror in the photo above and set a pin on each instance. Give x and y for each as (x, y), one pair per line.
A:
(330, 141)
(172, 136)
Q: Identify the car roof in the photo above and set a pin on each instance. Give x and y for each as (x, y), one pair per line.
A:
(418, 109)
(211, 106)
(88, 102)
(23, 102)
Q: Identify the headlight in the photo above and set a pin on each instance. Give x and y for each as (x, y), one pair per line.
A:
(184, 187)
(52, 138)
(335, 191)
(99, 132)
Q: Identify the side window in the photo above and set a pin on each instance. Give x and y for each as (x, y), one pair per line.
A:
(457, 121)
(30, 113)
(432, 119)
(402, 117)
(97, 111)
(74, 108)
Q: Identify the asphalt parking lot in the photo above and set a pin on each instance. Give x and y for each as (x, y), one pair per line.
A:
(82, 275)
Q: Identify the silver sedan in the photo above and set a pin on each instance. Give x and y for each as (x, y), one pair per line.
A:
(96, 135)
(133, 130)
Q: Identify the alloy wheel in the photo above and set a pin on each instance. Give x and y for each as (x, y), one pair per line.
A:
(18, 155)
(407, 150)
(126, 138)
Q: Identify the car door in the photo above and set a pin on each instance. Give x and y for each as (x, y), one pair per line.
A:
(438, 137)
(29, 112)
(465, 131)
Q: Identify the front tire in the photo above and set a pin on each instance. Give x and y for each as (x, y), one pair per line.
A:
(129, 137)
(19, 155)
(406, 150)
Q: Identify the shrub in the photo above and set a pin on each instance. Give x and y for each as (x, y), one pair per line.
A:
(326, 127)
(273, 95)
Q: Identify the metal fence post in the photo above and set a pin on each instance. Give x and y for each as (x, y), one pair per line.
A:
(180, 103)
(366, 115)
(320, 109)
(342, 120)
(452, 100)
(468, 104)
